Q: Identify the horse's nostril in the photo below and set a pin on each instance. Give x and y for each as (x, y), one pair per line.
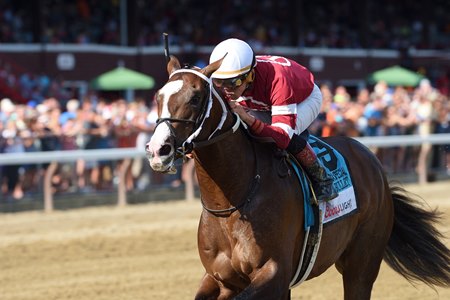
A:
(165, 150)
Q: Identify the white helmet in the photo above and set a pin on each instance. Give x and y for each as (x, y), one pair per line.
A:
(239, 60)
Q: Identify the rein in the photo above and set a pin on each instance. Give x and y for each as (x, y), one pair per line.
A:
(253, 189)
(189, 144)
(219, 137)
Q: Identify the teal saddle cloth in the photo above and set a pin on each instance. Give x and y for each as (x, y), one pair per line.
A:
(336, 165)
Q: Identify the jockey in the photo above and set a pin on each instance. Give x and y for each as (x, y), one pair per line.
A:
(279, 86)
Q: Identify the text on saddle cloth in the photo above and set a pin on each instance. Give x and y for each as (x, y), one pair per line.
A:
(345, 203)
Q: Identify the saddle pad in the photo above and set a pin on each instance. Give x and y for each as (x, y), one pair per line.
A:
(345, 203)
(307, 207)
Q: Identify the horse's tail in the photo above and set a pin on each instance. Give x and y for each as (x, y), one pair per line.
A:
(415, 249)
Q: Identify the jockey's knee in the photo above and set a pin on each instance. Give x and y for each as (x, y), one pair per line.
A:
(297, 143)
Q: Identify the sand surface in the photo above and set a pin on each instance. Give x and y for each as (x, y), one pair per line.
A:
(146, 252)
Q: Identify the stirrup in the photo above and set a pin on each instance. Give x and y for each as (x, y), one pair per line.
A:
(321, 196)
(332, 196)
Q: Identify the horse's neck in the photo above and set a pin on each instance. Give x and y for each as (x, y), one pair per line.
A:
(225, 169)
(232, 154)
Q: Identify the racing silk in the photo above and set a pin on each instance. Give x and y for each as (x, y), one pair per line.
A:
(280, 85)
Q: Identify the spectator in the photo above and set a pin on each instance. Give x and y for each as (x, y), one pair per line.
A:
(103, 175)
(70, 128)
(12, 144)
(144, 127)
(126, 134)
(424, 114)
(32, 174)
(87, 171)
(373, 112)
(443, 126)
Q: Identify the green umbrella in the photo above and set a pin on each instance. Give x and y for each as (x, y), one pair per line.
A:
(396, 76)
(122, 78)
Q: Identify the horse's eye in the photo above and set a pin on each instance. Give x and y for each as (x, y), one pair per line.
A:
(195, 100)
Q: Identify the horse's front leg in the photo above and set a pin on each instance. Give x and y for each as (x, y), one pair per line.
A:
(269, 282)
(210, 290)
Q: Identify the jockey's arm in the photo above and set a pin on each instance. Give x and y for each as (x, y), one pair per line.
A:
(280, 130)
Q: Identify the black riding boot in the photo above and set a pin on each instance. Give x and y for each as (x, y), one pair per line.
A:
(321, 180)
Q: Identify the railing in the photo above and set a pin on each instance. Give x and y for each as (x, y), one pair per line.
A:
(55, 157)
(126, 154)
(404, 140)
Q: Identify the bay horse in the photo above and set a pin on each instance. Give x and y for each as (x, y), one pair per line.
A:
(251, 230)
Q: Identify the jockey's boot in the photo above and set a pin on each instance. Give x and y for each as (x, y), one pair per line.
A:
(321, 180)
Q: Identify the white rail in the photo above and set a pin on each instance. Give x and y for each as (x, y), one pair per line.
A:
(404, 140)
(127, 154)
(122, 153)
(69, 156)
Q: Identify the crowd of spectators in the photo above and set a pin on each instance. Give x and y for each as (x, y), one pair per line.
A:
(335, 24)
(88, 124)
(51, 120)
(98, 124)
(29, 85)
(390, 111)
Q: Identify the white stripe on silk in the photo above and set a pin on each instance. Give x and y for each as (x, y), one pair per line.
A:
(290, 109)
(253, 101)
(286, 128)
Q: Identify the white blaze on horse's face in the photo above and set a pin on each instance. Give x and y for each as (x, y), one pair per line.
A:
(160, 150)
(166, 92)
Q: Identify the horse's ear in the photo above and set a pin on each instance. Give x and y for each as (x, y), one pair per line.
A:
(173, 64)
(211, 68)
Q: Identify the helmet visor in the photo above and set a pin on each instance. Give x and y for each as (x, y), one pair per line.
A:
(231, 82)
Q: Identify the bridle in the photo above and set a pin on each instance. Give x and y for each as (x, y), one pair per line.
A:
(190, 143)
(185, 147)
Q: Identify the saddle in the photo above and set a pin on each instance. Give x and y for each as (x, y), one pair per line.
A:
(317, 214)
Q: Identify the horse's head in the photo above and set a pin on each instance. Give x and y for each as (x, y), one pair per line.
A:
(183, 104)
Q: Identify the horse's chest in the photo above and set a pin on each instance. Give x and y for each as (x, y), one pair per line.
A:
(236, 254)
(240, 260)
(234, 269)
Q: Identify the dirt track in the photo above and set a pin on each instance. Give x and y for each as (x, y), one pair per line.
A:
(145, 252)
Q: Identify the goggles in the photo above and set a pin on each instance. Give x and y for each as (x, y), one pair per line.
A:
(232, 82)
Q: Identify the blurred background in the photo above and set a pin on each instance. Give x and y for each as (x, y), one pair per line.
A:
(383, 68)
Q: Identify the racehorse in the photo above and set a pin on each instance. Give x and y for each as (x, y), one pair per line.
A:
(251, 230)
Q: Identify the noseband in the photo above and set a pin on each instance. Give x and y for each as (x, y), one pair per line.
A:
(189, 144)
